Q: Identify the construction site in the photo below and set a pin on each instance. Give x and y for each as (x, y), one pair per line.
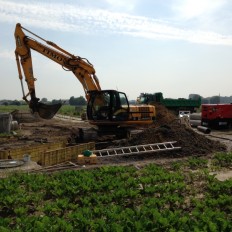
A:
(159, 164)
(113, 132)
(48, 145)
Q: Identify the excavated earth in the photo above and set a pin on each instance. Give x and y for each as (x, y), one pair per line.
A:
(189, 140)
(166, 128)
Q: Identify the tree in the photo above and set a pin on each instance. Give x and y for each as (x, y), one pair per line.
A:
(44, 100)
(215, 100)
(72, 101)
(15, 102)
(79, 101)
(54, 101)
(205, 100)
(194, 96)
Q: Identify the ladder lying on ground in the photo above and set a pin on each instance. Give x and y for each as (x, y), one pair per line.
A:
(138, 149)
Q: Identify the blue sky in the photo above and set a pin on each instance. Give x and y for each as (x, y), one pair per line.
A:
(177, 47)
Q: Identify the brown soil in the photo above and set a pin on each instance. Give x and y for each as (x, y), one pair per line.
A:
(41, 131)
(163, 116)
(189, 140)
(166, 128)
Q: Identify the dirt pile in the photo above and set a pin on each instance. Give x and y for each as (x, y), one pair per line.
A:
(163, 115)
(191, 142)
(167, 128)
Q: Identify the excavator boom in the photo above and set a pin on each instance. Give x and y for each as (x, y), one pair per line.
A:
(109, 110)
(82, 69)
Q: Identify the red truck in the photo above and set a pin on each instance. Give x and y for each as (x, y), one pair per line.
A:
(216, 115)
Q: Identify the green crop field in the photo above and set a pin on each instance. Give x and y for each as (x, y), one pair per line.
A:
(11, 108)
(181, 196)
(72, 110)
(64, 110)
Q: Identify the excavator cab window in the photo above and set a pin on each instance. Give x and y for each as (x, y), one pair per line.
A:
(108, 105)
(121, 110)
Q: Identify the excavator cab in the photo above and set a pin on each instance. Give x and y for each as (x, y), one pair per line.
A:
(107, 105)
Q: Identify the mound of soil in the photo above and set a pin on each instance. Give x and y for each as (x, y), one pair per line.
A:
(191, 142)
(167, 128)
(163, 115)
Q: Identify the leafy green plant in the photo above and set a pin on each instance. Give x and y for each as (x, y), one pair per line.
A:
(222, 159)
(118, 198)
(10, 108)
(178, 165)
(197, 162)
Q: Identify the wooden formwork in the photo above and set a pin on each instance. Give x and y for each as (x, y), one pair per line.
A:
(22, 116)
(65, 154)
(33, 150)
(47, 154)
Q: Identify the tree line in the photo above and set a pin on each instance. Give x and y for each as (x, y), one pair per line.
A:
(81, 101)
(217, 99)
(73, 101)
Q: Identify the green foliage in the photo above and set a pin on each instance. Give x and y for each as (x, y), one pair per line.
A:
(79, 101)
(115, 199)
(10, 108)
(178, 165)
(5, 135)
(70, 110)
(197, 162)
(222, 159)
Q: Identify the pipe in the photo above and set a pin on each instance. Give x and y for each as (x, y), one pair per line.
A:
(195, 123)
(204, 129)
(195, 116)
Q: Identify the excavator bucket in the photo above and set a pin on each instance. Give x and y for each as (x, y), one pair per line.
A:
(47, 111)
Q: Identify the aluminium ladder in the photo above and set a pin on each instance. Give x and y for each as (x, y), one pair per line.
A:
(138, 149)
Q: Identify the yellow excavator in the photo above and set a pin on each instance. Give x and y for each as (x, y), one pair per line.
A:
(109, 110)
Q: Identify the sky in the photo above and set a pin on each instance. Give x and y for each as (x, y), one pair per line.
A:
(177, 47)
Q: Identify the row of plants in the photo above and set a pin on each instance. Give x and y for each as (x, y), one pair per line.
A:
(152, 198)
(11, 108)
(219, 160)
(68, 110)
(72, 111)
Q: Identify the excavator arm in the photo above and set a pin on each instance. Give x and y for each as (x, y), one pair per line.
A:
(81, 68)
(109, 110)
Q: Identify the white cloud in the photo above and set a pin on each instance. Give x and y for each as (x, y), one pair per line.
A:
(126, 5)
(188, 9)
(7, 54)
(67, 17)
